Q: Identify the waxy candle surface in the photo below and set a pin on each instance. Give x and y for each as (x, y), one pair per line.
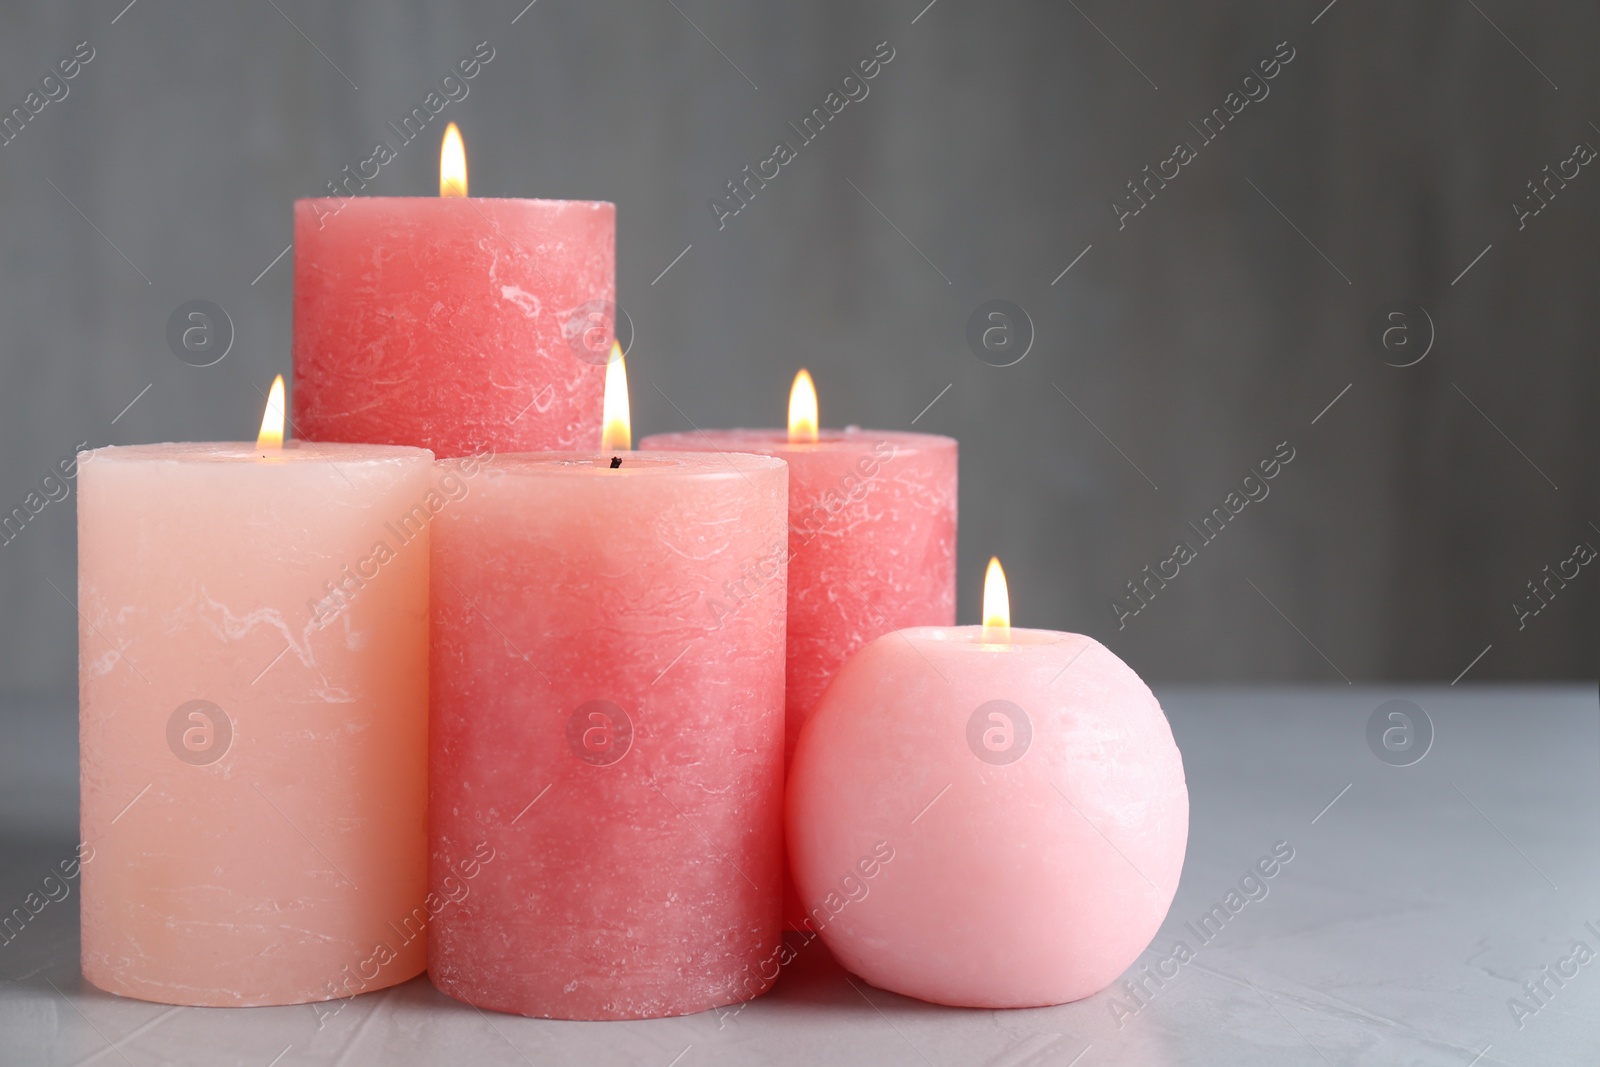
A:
(872, 541)
(1036, 844)
(457, 324)
(608, 719)
(254, 848)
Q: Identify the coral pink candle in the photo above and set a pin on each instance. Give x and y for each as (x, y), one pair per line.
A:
(253, 775)
(987, 817)
(872, 535)
(616, 739)
(872, 541)
(461, 325)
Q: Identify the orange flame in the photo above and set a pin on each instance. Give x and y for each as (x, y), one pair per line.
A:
(616, 431)
(271, 436)
(803, 410)
(452, 164)
(996, 604)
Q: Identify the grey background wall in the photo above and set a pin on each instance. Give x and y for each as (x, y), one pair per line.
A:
(1183, 345)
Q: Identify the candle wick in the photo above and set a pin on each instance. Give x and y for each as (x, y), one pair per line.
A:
(616, 461)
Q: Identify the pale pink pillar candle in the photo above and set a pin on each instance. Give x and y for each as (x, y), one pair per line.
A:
(987, 824)
(253, 743)
(608, 717)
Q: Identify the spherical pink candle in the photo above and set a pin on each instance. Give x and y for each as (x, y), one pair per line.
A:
(610, 722)
(987, 817)
(254, 757)
(452, 323)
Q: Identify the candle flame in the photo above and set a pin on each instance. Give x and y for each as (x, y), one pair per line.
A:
(452, 164)
(616, 432)
(271, 436)
(996, 604)
(803, 410)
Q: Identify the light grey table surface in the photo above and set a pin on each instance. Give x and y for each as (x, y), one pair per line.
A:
(1417, 904)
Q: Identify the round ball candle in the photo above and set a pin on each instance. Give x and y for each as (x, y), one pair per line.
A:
(987, 817)
(610, 725)
(253, 746)
(460, 325)
(872, 535)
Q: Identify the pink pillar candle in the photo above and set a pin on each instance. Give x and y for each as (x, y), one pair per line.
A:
(987, 825)
(872, 541)
(608, 719)
(872, 547)
(457, 324)
(254, 758)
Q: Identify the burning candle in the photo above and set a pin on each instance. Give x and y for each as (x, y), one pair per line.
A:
(872, 535)
(608, 717)
(872, 539)
(253, 762)
(458, 324)
(987, 817)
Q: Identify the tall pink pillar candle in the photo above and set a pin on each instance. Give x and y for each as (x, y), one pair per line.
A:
(608, 720)
(987, 824)
(253, 756)
(456, 324)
